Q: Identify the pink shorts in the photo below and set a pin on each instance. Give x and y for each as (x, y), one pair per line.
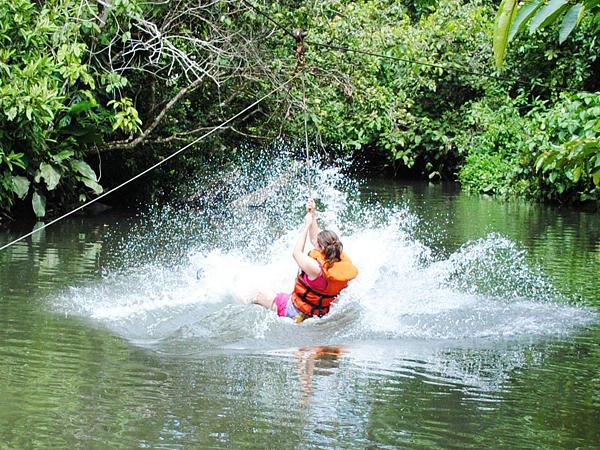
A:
(285, 305)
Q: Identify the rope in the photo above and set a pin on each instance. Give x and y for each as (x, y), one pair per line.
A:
(205, 135)
(308, 167)
(299, 35)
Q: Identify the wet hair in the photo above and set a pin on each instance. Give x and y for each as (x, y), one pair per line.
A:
(331, 246)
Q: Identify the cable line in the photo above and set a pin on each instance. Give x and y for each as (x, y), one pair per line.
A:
(412, 61)
(306, 137)
(287, 31)
(299, 36)
(205, 135)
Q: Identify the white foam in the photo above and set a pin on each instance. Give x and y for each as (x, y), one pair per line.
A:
(484, 290)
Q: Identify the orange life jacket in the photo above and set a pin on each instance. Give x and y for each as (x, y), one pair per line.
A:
(316, 303)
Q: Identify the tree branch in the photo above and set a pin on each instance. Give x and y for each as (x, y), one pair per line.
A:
(129, 144)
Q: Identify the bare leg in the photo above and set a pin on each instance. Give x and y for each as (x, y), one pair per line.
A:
(266, 299)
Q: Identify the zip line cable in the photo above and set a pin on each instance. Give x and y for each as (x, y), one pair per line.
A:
(396, 58)
(420, 63)
(205, 135)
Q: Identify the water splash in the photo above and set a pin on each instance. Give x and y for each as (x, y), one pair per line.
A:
(238, 236)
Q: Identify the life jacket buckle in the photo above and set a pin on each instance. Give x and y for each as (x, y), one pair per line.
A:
(301, 317)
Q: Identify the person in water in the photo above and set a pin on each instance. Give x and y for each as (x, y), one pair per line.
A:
(323, 273)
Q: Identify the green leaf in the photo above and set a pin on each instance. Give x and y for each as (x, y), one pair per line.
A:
(65, 154)
(11, 113)
(38, 202)
(540, 161)
(50, 175)
(523, 15)
(81, 106)
(93, 185)
(16, 159)
(504, 18)
(596, 177)
(65, 121)
(547, 14)
(581, 11)
(569, 22)
(20, 186)
(84, 169)
(576, 174)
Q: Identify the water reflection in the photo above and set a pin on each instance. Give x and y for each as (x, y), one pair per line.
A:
(134, 358)
(68, 252)
(317, 361)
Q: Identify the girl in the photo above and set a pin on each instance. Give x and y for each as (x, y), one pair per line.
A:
(324, 272)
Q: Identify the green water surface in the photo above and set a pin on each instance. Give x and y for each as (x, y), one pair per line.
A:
(69, 382)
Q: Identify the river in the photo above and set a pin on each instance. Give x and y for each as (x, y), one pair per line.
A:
(473, 323)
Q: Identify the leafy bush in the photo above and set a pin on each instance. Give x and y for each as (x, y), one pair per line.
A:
(551, 152)
(496, 160)
(568, 148)
(45, 98)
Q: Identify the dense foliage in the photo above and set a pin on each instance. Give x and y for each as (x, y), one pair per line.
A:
(439, 109)
(549, 153)
(405, 107)
(84, 81)
(91, 89)
(46, 105)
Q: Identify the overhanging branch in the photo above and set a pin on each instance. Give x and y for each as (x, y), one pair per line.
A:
(132, 143)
